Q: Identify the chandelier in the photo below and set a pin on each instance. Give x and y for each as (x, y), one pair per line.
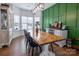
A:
(40, 6)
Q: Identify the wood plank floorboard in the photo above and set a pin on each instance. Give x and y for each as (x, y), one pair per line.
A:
(16, 48)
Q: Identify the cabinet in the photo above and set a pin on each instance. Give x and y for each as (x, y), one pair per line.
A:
(58, 32)
(62, 33)
(4, 25)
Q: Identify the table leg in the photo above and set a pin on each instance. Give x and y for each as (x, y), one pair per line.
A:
(51, 47)
(46, 52)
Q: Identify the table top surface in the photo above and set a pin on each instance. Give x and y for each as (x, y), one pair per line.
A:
(46, 38)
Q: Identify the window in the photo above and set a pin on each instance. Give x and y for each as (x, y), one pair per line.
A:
(24, 22)
(16, 22)
(30, 25)
(30, 22)
(37, 19)
(27, 22)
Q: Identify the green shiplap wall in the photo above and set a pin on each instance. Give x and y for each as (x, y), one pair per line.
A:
(67, 13)
(77, 21)
(71, 19)
(62, 13)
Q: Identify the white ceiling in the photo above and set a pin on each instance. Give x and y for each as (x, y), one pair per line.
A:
(47, 5)
(25, 6)
(31, 6)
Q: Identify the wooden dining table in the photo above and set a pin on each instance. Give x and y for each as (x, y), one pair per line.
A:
(46, 38)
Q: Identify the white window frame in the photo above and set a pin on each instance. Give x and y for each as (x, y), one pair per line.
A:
(15, 16)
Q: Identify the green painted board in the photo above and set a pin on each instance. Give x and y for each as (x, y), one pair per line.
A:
(44, 19)
(42, 24)
(55, 10)
(62, 19)
(78, 17)
(71, 16)
(75, 42)
(71, 33)
(51, 11)
(71, 20)
(49, 17)
(54, 19)
(77, 29)
(77, 33)
(62, 9)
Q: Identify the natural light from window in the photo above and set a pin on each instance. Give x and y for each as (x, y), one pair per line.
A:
(16, 22)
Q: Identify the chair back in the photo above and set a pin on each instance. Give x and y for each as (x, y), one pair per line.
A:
(25, 32)
(26, 35)
(31, 41)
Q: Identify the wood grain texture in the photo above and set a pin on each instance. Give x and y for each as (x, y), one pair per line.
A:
(44, 38)
(17, 48)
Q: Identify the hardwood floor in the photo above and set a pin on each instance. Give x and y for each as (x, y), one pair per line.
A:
(17, 48)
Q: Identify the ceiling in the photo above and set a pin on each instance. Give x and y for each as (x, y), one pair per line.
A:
(31, 6)
(25, 6)
(47, 5)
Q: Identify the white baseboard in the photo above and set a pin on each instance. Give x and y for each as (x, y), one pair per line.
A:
(1, 44)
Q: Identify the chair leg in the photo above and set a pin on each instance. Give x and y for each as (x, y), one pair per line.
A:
(29, 48)
(40, 49)
(51, 46)
(32, 51)
(26, 45)
(35, 52)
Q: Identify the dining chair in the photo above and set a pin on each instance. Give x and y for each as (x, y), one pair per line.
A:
(26, 40)
(33, 45)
